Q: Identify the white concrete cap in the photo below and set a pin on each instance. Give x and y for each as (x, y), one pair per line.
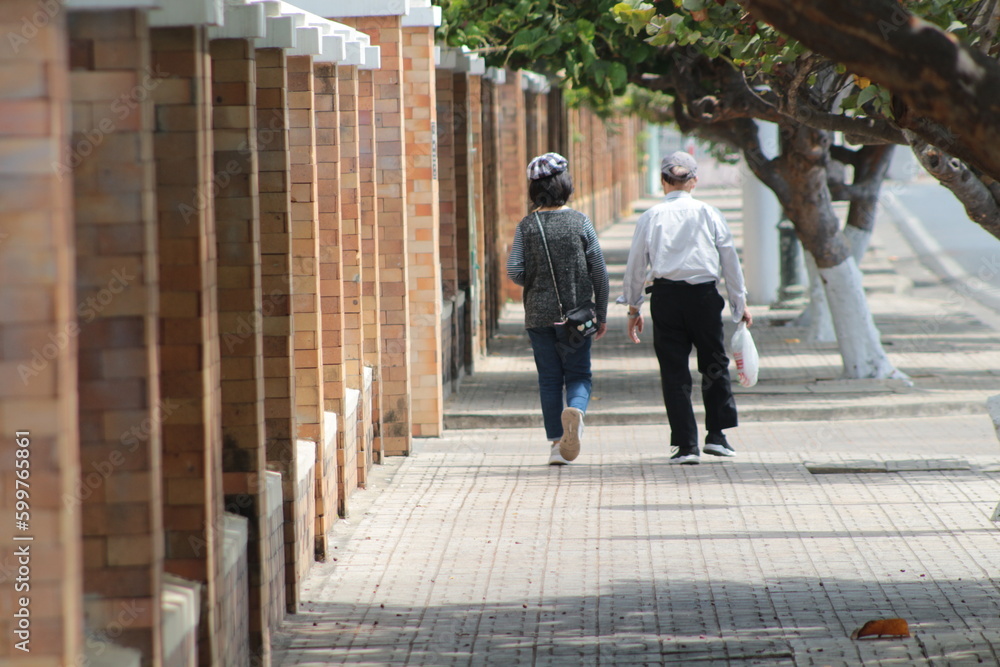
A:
(422, 15)
(308, 42)
(373, 57)
(475, 65)
(534, 82)
(334, 49)
(241, 21)
(497, 75)
(448, 58)
(187, 12)
(348, 8)
(355, 54)
(281, 33)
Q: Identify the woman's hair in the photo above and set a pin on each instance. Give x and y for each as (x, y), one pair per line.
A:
(676, 177)
(552, 190)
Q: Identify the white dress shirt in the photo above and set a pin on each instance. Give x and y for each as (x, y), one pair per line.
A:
(683, 238)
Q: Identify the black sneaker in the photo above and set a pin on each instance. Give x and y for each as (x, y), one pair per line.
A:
(716, 449)
(687, 456)
(716, 445)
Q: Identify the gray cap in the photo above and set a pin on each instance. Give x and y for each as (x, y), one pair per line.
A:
(681, 162)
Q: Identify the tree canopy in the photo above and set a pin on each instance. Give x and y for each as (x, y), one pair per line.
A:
(712, 65)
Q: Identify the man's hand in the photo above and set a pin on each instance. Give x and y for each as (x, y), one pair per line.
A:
(602, 329)
(635, 327)
(747, 317)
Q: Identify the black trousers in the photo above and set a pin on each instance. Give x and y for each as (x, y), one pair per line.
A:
(683, 315)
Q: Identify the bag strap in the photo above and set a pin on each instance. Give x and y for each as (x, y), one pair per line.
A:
(552, 272)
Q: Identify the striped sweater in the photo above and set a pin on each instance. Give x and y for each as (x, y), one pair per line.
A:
(576, 257)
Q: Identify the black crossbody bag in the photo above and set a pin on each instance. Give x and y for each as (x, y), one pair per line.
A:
(583, 318)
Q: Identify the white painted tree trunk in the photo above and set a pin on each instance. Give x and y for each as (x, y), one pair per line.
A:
(858, 240)
(857, 336)
(816, 317)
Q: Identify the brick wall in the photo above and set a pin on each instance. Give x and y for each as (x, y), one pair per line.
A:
(120, 410)
(331, 290)
(467, 133)
(447, 186)
(350, 236)
(511, 163)
(276, 280)
(242, 306)
(420, 122)
(38, 334)
(393, 374)
(307, 336)
(494, 277)
(371, 299)
(189, 337)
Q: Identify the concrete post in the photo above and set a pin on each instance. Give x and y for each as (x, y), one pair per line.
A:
(761, 215)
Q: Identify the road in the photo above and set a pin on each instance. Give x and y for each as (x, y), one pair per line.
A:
(948, 242)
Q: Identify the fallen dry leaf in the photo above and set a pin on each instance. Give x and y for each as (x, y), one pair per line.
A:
(884, 627)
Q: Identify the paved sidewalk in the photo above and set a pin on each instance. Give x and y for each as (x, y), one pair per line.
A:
(936, 334)
(472, 551)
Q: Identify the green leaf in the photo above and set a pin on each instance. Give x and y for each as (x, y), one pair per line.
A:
(618, 75)
(867, 95)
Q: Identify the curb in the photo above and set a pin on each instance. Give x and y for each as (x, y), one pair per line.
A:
(470, 421)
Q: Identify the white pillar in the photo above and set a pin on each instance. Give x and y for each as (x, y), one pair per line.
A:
(654, 189)
(761, 215)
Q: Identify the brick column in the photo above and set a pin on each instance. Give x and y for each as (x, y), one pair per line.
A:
(118, 308)
(276, 280)
(189, 338)
(512, 164)
(331, 290)
(493, 259)
(371, 298)
(394, 373)
(477, 216)
(242, 306)
(447, 186)
(308, 336)
(39, 338)
(328, 192)
(420, 122)
(350, 235)
(468, 208)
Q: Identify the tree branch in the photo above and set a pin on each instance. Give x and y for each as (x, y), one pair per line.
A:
(937, 77)
(979, 200)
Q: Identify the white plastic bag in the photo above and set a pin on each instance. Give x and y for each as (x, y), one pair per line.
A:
(745, 354)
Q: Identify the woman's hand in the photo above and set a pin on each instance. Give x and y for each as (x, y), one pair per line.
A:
(747, 317)
(602, 329)
(635, 327)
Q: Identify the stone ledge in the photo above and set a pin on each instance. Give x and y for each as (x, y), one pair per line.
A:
(181, 615)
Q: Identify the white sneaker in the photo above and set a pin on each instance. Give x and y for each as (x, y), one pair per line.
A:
(555, 458)
(572, 421)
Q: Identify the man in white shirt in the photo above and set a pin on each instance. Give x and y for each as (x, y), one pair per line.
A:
(684, 246)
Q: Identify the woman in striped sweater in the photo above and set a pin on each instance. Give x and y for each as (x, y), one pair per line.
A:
(577, 267)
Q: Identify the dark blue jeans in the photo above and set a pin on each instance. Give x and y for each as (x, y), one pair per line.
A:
(562, 363)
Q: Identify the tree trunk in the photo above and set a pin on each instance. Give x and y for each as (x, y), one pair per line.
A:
(870, 168)
(816, 317)
(810, 208)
